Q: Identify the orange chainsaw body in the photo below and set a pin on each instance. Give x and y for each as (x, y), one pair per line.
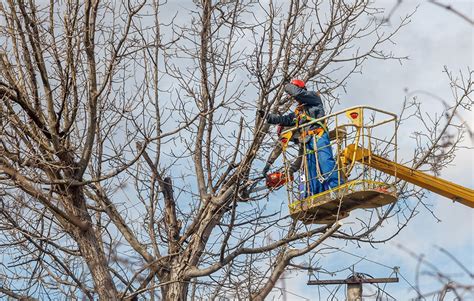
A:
(276, 179)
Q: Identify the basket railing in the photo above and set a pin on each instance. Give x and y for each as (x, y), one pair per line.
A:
(365, 127)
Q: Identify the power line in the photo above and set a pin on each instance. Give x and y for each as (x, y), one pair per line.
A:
(417, 291)
(395, 269)
(361, 257)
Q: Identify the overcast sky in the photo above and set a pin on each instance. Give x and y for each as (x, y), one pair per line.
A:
(435, 38)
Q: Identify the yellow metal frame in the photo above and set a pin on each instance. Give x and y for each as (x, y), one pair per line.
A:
(390, 118)
(356, 131)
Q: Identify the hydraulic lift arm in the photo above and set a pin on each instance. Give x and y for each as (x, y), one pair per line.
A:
(442, 187)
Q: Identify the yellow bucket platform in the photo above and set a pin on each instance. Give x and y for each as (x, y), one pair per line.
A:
(335, 204)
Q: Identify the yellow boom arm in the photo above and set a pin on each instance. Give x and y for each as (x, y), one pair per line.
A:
(442, 187)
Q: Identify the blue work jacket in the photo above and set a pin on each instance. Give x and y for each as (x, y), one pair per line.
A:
(310, 100)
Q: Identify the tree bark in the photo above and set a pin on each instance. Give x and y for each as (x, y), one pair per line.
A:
(177, 287)
(91, 250)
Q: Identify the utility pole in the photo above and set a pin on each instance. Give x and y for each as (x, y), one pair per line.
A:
(354, 284)
(354, 291)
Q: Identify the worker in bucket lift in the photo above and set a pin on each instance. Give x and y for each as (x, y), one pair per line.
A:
(321, 168)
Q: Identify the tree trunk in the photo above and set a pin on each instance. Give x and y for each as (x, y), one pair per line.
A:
(97, 264)
(91, 250)
(177, 289)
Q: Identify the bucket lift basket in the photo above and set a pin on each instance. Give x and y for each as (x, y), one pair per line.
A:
(360, 186)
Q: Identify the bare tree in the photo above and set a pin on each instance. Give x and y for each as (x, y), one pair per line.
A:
(449, 7)
(129, 136)
(456, 283)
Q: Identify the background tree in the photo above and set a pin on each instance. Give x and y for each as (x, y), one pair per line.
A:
(129, 138)
(447, 285)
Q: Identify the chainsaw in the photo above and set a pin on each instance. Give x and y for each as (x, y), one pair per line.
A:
(273, 181)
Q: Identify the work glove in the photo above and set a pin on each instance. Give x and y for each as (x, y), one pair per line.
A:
(261, 113)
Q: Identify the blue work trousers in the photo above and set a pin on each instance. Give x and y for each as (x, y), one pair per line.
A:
(327, 165)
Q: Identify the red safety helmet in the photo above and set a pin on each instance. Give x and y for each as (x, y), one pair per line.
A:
(298, 83)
